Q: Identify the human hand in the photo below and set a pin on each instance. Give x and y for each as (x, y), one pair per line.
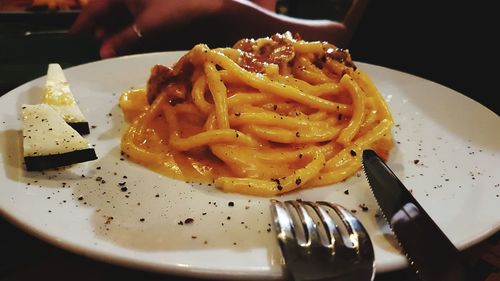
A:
(124, 26)
(127, 26)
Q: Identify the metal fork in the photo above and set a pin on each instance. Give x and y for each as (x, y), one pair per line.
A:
(322, 241)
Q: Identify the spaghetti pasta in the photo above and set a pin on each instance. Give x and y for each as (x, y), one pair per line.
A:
(265, 117)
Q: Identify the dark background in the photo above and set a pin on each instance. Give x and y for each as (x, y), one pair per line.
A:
(25, 57)
(448, 42)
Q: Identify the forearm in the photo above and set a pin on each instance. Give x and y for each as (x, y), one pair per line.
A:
(169, 24)
(255, 21)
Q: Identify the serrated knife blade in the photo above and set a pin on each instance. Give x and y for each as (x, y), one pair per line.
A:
(427, 248)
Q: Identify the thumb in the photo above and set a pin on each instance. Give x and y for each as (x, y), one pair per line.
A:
(122, 42)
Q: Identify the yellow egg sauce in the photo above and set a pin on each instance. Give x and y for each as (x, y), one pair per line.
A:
(133, 103)
(146, 142)
(151, 147)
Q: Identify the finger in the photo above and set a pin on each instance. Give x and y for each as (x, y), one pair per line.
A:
(122, 42)
(100, 33)
(92, 14)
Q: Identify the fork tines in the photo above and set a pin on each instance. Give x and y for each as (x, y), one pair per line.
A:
(314, 234)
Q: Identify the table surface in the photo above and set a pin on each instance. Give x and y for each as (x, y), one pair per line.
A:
(23, 257)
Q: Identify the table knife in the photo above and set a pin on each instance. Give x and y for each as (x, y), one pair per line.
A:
(432, 255)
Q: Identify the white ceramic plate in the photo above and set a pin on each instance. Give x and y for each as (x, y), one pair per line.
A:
(83, 209)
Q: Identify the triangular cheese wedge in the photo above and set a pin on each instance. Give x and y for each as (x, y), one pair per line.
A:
(58, 95)
(48, 141)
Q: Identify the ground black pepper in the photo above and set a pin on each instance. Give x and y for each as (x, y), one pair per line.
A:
(298, 181)
(278, 184)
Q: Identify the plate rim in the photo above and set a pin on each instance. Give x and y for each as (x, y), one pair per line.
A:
(175, 270)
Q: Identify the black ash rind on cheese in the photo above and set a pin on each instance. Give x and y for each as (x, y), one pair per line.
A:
(81, 127)
(49, 142)
(58, 95)
(44, 162)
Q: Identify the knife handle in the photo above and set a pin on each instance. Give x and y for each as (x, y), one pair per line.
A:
(434, 259)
